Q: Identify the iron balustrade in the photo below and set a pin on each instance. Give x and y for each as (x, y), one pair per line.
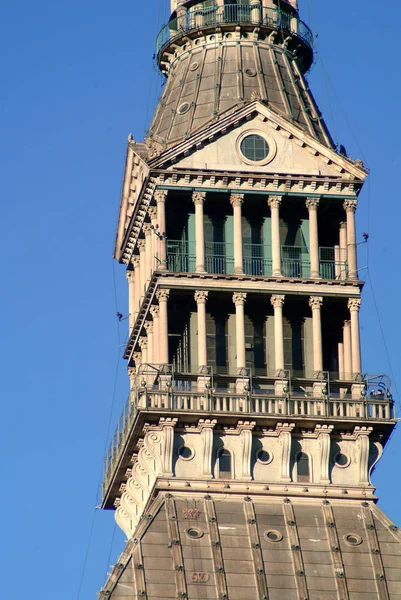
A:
(161, 389)
(208, 14)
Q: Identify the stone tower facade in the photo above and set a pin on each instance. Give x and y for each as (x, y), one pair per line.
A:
(240, 468)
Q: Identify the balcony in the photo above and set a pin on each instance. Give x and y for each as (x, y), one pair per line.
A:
(207, 14)
(160, 389)
(219, 259)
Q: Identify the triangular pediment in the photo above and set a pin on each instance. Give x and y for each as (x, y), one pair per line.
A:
(292, 151)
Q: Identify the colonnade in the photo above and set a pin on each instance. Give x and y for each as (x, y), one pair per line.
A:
(152, 252)
(154, 343)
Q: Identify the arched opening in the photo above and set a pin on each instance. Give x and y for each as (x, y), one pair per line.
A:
(224, 459)
(303, 467)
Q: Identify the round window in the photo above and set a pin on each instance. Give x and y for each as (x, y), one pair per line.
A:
(255, 148)
(353, 539)
(185, 452)
(194, 66)
(250, 72)
(183, 108)
(273, 536)
(194, 533)
(263, 456)
(341, 460)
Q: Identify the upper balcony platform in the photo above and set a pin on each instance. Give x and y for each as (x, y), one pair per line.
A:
(204, 16)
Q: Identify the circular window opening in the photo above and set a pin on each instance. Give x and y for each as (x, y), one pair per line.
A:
(250, 72)
(183, 108)
(353, 539)
(255, 148)
(273, 536)
(194, 66)
(185, 452)
(194, 533)
(341, 460)
(263, 456)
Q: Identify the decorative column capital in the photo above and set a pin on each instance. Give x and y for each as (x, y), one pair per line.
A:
(143, 342)
(239, 298)
(130, 275)
(147, 229)
(154, 311)
(136, 259)
(354, 304)
(160, 196)
(236, 199)
(148, 326)
(198, 197)
(350, 205)
(162, 295)
(277, 301)
(141, 245)
(152, 212)
(131, 371)
(315, 302)
(343, 225)
(137, 357)
(274, 201)
(312, 203)
(201, 296)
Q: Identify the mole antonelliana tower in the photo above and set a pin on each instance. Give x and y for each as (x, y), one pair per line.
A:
(240, 468)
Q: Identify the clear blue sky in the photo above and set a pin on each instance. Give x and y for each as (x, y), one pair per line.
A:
(77, 78)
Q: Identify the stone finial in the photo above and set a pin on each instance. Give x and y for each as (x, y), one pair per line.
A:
(236, 199)
(274, 201)
(350, 205)
(277, 301)
(312, 203)
(201, 296)
(315, 302)
(239, 298)
(354, 304)
(198, 197)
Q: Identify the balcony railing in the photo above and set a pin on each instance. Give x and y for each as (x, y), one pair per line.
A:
(160, 388)
(219, 259)
(206, 14)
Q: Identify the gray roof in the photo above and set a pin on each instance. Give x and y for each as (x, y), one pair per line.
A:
(234, 558)
(209, 82)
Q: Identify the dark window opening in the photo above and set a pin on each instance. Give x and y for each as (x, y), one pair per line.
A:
(225, 464)
(303, 467)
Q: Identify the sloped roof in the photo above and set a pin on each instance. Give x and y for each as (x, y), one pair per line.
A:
(266, 547)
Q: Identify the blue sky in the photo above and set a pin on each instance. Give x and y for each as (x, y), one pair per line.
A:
(77, 79)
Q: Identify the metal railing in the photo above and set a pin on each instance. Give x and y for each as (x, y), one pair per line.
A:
(207, 14)
(158, 387)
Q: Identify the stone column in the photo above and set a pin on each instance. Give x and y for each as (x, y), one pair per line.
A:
(153, 221)
(160, 197)
(323, 433)
(343, 249)
(245, 429)
(149, 331)
(143, 343)
(137, 359)
(341, 360)
(198, 198)
(236, 202)
(206, 427)
(131, 298)
(350, 208)
(147, 229)
(347, 350)
(283, 431)
(162, 296)
(255, 10)
(137, 286)
(274, 203)
(277, 303)
(154, 311)
(312, 205)
(239, 301)
(354, 305)
(200, 299)
(315, 302)
(142, 256)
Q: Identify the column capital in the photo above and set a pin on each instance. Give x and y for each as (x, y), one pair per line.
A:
(274, 201)
(141, 244)
(277, 301)
(201, 296)
(154, 311)
(343, 224)
(160, 196)
(350, 205)
(315, 302)
(136, 259)
(131, 371)
(347, 323)
(198, 197)
(137, 357)
(236, 199)
(143, 342)
(312, 203)
(130, 275)
(239, 298)
(162, 295)
(148, 326)
(354, 304)
(147, 229)
(152, 212)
